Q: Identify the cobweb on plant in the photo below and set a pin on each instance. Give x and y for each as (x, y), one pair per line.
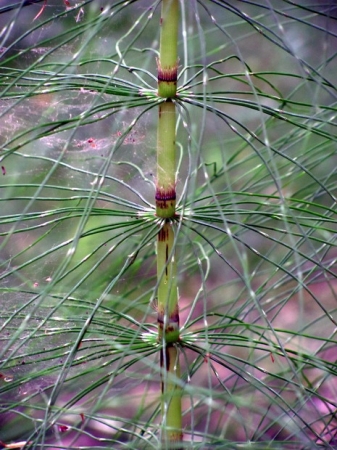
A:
(40, 325)
(59, 298)
(44, 318)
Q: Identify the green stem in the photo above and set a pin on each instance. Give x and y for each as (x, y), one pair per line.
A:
(168, 308)
(166, 161)
(168, 56)
(171, 396)
(168, 312)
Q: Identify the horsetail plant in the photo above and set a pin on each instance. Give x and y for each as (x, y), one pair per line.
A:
(117, 187)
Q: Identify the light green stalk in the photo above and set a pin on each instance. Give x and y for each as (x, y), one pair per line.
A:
(166, 161)
(168, 312)
(168, 326)
(171, 397)
(168, 308)
(168, 57)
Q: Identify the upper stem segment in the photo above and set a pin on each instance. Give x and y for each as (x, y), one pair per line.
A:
(168, 57)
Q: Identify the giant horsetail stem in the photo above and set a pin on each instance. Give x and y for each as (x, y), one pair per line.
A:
(167, 289)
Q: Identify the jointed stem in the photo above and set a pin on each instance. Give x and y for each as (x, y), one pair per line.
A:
(168, 335)
(168, 308)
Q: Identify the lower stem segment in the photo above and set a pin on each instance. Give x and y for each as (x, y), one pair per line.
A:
(168, 311)
(168, 336)
(171, 396)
